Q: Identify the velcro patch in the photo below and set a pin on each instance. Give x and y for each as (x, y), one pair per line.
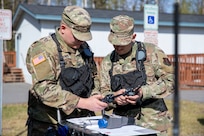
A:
(38, 59)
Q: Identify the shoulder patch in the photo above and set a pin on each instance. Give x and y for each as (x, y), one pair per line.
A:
(38, 59)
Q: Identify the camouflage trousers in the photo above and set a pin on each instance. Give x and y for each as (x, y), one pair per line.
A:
(163, 133)
(161, 121)
(38, 128)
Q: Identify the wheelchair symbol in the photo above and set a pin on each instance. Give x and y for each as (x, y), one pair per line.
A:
(150, 19)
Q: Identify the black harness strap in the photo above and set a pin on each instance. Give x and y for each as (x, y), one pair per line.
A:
(140, 58)
(62, 62)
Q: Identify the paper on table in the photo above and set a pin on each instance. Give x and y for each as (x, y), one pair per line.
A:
(91, 123)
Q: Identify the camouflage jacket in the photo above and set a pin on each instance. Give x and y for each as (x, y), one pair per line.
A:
(159, 84)
(43, 64)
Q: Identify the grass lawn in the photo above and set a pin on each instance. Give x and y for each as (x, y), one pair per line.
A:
(191, 119)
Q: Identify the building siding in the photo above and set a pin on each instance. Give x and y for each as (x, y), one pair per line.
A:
(31, 28)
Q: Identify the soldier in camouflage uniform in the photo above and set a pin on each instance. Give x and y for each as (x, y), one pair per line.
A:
(63, 73)
(120, 70)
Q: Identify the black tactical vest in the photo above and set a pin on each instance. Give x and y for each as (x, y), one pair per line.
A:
(131, 79)
(79, 81)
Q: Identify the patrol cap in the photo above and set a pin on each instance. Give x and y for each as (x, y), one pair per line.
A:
(122, 28)
(79, 20)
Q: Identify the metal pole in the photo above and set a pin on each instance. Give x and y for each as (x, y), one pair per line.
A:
(176, 94)
(1, 83)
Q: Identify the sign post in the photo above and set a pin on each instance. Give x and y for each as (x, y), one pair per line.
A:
(5, 34)
(151, 23)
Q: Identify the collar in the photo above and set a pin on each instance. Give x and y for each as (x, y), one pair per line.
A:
(130, 57)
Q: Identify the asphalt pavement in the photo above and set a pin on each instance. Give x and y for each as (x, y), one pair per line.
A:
(14, 93)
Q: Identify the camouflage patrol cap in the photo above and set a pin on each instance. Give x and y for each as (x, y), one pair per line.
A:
(79, 20)
(122, 28)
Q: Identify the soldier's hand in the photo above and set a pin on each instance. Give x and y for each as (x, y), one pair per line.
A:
(121, 100)
(93, 103)
(133, 99)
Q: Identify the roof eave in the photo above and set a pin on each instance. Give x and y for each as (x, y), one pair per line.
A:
(22, 9)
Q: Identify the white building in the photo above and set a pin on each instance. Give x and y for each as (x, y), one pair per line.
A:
(31, 22)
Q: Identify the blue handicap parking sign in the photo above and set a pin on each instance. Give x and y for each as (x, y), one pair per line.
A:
(150, 19)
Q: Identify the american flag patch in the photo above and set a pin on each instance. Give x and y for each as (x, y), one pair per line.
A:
(38, 59)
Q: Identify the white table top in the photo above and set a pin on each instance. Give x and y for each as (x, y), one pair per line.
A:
(91, 123)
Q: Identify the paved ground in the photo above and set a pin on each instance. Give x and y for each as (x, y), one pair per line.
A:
(15, 93)
(18, 93)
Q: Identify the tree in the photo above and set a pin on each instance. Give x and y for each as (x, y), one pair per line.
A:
(100, 4)
(202, 7)
(192, 6)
